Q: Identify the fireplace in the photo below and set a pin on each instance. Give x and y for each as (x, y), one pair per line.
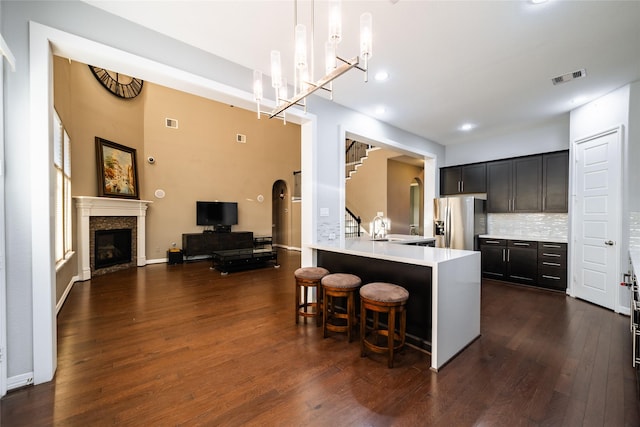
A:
(108, 214)
(112, 247)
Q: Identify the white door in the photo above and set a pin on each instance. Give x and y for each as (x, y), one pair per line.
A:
(596, 218)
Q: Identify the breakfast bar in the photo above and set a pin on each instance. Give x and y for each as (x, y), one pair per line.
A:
(443, 311)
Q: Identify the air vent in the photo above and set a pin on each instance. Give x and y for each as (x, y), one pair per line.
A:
(569, 76)
(241, 138)
(171, 123)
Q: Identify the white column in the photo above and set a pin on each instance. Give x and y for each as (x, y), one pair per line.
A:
(84, 260)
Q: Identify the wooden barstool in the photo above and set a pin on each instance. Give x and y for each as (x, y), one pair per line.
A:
(309, 278)
(339, 285)
(386, 298)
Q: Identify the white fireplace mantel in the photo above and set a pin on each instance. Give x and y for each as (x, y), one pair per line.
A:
(87, 207)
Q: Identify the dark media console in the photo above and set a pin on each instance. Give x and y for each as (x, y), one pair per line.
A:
(199, 244)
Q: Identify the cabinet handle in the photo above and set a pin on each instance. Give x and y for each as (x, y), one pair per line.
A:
(509, 208)
(551, 255)
(492, 242)
(545, 245)
(521, 244)
(508, 254)
(503, 255)
(551, 277)
(462, 186)
(554, 264)
(459, 187)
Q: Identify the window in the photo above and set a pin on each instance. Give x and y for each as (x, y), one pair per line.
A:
(62, 164)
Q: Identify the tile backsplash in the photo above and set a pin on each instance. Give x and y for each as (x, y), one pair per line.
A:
(533, 225)
(634, 230)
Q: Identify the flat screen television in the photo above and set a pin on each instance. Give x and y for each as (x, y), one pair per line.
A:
(216, 213)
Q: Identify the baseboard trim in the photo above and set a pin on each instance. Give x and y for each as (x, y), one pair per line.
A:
(64, 295)
(21, 380)
(157, 261)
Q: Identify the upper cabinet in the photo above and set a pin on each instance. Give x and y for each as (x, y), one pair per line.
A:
(514, 185)
(555, 182)
(529, 184)
(464, 179)
(538, 183)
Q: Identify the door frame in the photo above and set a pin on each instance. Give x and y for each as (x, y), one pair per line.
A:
(574, 224)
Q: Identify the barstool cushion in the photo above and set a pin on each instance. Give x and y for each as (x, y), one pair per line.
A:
(384, 292)
(311, 273)
(341, 280)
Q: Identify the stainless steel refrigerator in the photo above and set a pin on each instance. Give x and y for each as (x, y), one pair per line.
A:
(458, 221)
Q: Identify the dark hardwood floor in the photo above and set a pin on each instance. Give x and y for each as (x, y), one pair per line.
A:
(182, 345)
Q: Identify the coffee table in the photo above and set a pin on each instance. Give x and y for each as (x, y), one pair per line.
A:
(243, 259)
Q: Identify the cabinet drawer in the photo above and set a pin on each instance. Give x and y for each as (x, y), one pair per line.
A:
(552, 257)
(493, 242)
(552, 247)
(552, 277)
(525, 244)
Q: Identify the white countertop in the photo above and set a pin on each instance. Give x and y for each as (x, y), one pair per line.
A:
(418, 255)
(521, 237)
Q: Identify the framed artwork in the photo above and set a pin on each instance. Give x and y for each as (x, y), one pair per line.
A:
(117, 172)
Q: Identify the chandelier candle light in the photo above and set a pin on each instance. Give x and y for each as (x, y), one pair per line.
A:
(303, 67)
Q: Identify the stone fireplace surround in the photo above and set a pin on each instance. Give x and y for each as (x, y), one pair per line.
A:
(88, 207)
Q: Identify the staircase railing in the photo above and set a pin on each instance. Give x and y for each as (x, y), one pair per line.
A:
(351, 224)
(354, 154)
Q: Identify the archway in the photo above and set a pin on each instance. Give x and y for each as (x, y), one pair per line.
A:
(280, 214)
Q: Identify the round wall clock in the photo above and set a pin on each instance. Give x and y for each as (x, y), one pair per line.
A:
(120, 85)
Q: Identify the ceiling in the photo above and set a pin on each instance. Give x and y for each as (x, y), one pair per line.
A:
(487, 63)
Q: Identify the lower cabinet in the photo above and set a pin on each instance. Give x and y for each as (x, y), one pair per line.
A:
(552, 265)
(527, 262)
(493, 258)
(522, 261)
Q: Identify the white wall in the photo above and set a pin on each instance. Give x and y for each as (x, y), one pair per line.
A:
(323, 182)
(603, 114)
(534, 138)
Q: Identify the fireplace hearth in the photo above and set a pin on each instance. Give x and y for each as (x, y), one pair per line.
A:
(112, 247)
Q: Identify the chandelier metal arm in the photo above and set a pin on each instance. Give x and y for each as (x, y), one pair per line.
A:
(334, 74)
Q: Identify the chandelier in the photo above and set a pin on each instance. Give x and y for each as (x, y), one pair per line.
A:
(335, 66)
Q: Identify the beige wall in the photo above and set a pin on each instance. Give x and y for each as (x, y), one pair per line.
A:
(399, 178)
(200, 160)
(382, 185)
(366, 191)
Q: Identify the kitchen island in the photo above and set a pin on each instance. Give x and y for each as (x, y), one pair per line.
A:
(443, 311)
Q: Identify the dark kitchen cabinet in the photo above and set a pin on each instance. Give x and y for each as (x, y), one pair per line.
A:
(542, 264)
(499, 186)
(515, 185)
(552, 265)
(465, 179)
(493, 258)
(522, 262)
(555, 182)
(509, 260)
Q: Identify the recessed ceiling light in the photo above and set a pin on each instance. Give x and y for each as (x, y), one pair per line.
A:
(381, 110)
(381, 76)
(467, 127)
(538, 1)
